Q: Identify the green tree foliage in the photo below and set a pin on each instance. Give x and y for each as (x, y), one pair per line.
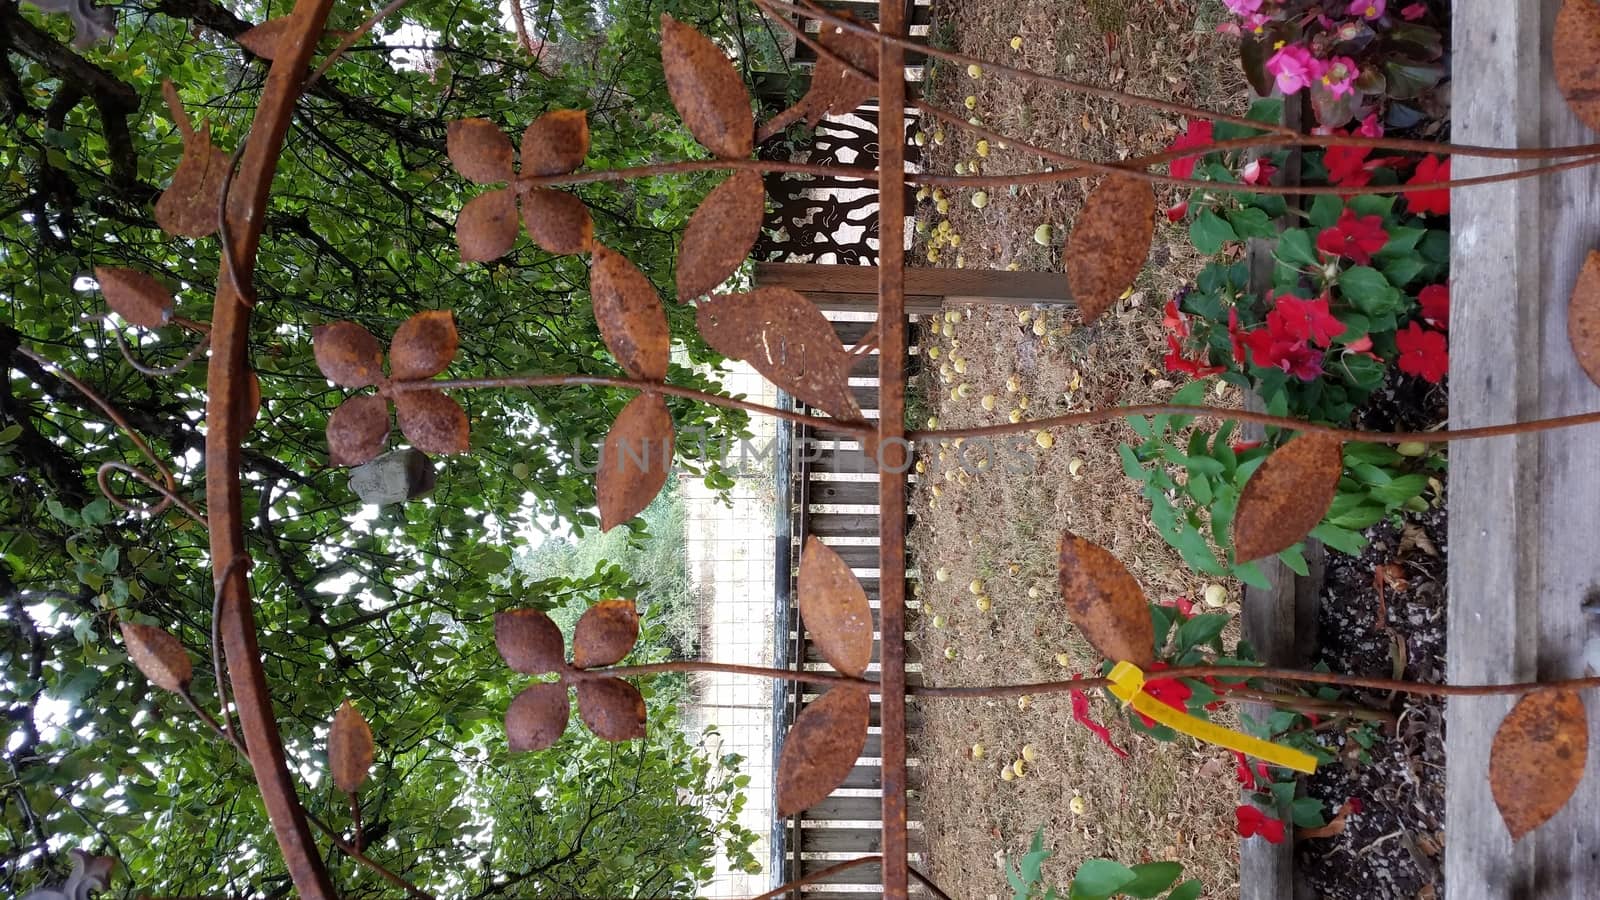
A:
(394, 610)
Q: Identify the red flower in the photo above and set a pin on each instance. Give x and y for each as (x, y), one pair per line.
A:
(1176, 213)
(1174, 319)
(1242, 446)
(1277, 347)
(1363, 346)
(1435, 300)
(1437, 201)
(1306, 319)
(1253, 822)
(1194, 368)
(1347, 166)
(1170, 691)
(1259, 171)
(1198, 135)
(1080, 714)
(1236, 337)
(1353, 237)
(1183, 605)
(1423, 353)
(1250, 776)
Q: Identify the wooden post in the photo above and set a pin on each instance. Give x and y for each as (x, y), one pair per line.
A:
(1523, 511)
(926, 289)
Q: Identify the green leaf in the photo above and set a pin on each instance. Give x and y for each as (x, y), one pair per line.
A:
(1201, 629)
(1341, 539)
(1308, 812)
(1379, 205)
(1295, 559)
(1099, 879)
(1404, 270)
(1325, 210)
(1250, 222)
(1150, 879)
(1189, 890)
(1295, 249)
(1208, 232)
(1369, 291)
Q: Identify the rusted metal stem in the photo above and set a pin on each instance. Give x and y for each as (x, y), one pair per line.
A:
(817, 876)
(227, 405)
(350, 41)
(1106, 414)
(541, 381)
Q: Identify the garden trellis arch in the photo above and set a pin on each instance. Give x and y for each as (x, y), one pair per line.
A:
(1540, 748)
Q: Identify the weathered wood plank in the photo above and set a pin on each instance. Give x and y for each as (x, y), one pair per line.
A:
(1522, 510)
(846, 809)
(954, 285)
(844, 493)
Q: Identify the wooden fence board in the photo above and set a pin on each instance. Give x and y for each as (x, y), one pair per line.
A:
(845, 493)
(1523, 514)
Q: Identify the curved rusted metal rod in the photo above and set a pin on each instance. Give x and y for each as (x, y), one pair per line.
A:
(817, 876)
(1106, 414)
(161, 371)
(538, 381)
(169, 496)
(226, 409)
(927, 882)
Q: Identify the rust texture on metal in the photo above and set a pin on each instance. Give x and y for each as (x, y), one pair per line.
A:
(358, 430)
(159, 656)
(834, 608)
(537, 718)
(707, 91)
(1575, 52)
(350, 748)
(135, 296)
(635, 460)
(423, 345)
(893, 451)
(1287, 496)
(264, 39)
(788, 340)
(1106, 602)
(480, 151)
(605, 633)
(349, 355)
(486, 227)
(227, 404)
(721, 233)
(432, 422)
(1538, 758)
(529, 641)
(822, 747)
(1583, 317)
(612, 708)
(629, 313)
(556, 143)
(557, 221)
(1110, 242)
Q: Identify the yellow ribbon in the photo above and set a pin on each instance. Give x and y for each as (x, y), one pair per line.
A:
(1127, 683)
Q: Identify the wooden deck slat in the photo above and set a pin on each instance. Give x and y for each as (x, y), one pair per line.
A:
(846, 809)
(872, 873)
(850, 493)
(1523, 515)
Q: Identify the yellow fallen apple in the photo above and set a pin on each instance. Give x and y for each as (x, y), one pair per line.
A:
(1028, 753)
(941, 574)
(1045, 439)
(974, 71)
(978, 751)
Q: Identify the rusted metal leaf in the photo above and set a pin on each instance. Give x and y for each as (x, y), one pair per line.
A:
(480, 151)
(1576, 55)
(834, 89)
(135, 296)
(159, 656)
(1537, 758)
(432, 422)
(423, 345)
(787, 339)
(538, 716)
(556, 143)
(635, 460)
(605, 633)
(358, 430)
(264, 39)
(350, 748)
(821, 747)
(252, 402)
(630, 315)
(834, 608)
(347, 354)
(188, 207)
(720, 234)
(486, 227)
(707, 90)
(1287, 496)
(557, 221)
(612, 708)
(1583, 317)
(529, 641)
(1110, 243)
(1106, 602)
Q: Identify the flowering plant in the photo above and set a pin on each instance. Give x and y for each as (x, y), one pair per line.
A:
(1356, 57)
(1358, 284)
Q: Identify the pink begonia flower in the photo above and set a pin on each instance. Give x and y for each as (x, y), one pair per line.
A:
(1368, 9)
(1370, 127)
(1414, 12)
(1243, 7)
(1258, 171)
(1294, 67)
(1340, 76)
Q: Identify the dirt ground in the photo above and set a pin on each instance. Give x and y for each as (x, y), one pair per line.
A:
(999, 521)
